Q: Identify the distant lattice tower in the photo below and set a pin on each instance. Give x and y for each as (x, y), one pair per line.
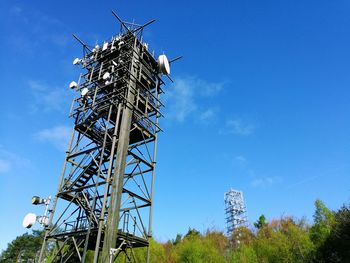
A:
(235, 210)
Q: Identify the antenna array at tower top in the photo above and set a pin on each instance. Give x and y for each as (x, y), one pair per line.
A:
(235, 210)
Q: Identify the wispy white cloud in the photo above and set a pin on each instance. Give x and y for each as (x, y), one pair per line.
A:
(5, 165)
(58, 136)
(266, 181)
(304, 181)
(208, 115)
(241, 160)
(209, 89)
(238, 127)
(10, 161)
(182, 98)
(245, 167)
(49, 98)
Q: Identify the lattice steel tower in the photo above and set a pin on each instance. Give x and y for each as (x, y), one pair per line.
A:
(105, 192)
(235, 210)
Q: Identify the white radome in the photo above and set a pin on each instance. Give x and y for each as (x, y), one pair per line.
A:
(105, 46)
(44, 220)
(84, 92)
(29, 220)
(76, 61)
(106, 76)
(164, 65)
(73, 85)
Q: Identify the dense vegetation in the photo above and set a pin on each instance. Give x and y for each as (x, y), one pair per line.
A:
(24, 248)
(280, 240)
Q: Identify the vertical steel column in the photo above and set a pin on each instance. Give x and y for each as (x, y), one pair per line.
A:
(96, 185)
(152, 182)
(111, 231)
(101, 219)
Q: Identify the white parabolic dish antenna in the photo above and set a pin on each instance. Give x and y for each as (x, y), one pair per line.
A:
(76, 61)
(73, 85)
(84, 92)
(164, 65)
(29, 220)
(106, 76)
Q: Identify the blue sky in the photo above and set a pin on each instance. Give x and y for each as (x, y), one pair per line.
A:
(260, 104)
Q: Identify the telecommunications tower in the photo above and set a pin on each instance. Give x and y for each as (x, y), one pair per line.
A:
(235, 210)
(104, 199)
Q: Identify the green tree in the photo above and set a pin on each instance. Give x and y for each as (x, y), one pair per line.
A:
(244, 254)
(177, 239)
(242, 236)
(195, 248)
(336, 247)
(323, 222)
(23, 248)
(192, 233)
(283, 240)
(261, 222)
(157, 253)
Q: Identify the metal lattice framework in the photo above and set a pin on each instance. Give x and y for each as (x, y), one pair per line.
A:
(104, 198)
(235, 210)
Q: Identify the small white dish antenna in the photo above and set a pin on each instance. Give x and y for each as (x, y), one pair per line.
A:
(84, 92)
(106, 76)
(29, 220)
(120, 44)
(105, 46)
(77, 61)
(73, 85)
(44, 220)
(164, 65)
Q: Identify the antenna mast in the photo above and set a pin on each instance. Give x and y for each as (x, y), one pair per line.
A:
(104, 199)
(235, 210)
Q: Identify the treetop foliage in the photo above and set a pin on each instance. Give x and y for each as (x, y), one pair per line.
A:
(23, 248)
(284, 240)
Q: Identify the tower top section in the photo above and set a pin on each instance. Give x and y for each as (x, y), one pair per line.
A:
(235, 210)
